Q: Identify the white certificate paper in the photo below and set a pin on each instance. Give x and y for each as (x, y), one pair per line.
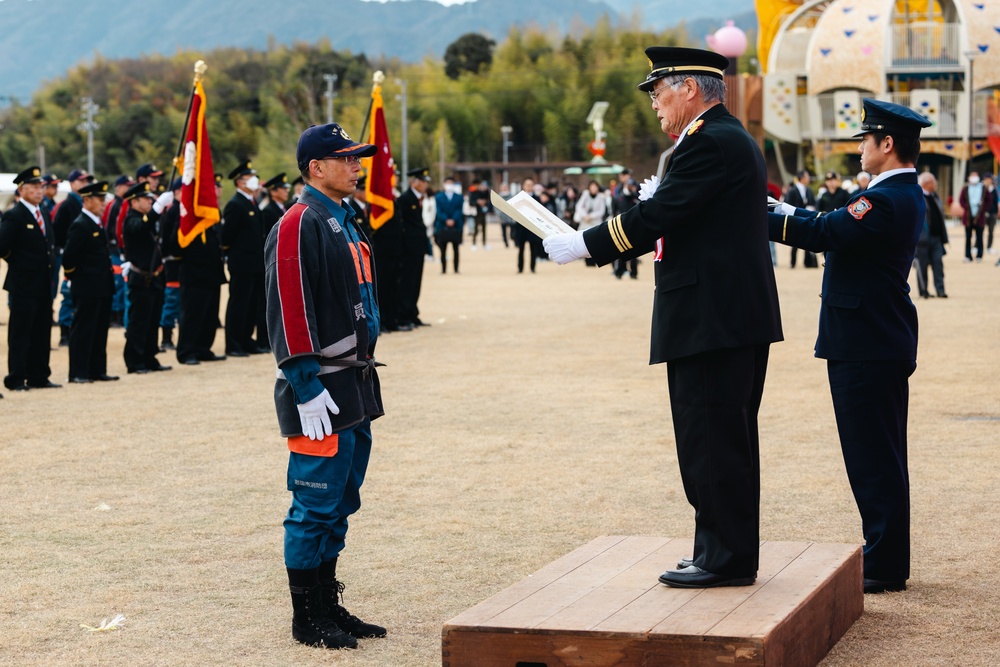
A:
(530, 214)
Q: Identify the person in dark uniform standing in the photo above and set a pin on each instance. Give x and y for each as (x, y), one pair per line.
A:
(112, 219)
(834, 197)
(145, 282)
(715, 306)
(278, 189)
(87, 262)
(202, 274)
(26, 243)
(933, 238)
(243, 237)
(62, 217)
(868, 327)
(800, 195)
(411, 268)
(387, 242)
(169, 227)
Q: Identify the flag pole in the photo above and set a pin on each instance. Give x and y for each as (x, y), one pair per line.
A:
(199, 72)
(377, 78)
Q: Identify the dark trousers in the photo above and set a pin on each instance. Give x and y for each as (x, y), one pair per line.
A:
(28, 338)
(630, 265)
(930, 253)
(969, 229)
(443, 241)
(88, 339)
(714, 399)
(410, 276)
(198, 321)
(245, 289)
(144, 308)
(479, 227)
(870, 400)
(388, 268)
(533, 244)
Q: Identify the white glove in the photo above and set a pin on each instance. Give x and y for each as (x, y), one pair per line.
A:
(780, 207)
(564, 248)
(648, 187)
(163, 201)
(315, 416)
(126, 267)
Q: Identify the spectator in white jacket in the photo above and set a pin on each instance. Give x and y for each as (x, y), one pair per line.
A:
(591, 210)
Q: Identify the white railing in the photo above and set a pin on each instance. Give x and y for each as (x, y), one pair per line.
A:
(923, 45)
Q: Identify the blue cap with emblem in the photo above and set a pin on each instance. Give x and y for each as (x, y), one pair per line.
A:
(330, 140)
(890, 118)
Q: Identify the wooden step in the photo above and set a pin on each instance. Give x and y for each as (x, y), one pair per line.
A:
(601, 606)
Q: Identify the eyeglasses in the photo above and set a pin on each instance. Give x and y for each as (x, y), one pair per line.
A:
(349, 159)
(655, 93)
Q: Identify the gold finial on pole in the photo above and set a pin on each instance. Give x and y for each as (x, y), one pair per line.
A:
(377, 78)
(199, 70)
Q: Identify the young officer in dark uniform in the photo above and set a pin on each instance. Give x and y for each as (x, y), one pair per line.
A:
(243, 237)
(715, 307)
(277, 194)
(202, 275)
(26, 236)
(868, 327)
(87, 263)
(145, 282)
(411, 267)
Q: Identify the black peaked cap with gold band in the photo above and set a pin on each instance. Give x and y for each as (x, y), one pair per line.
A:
(420, 173)
(137, 190)
(98, 189)
(890, 118)
(279, 181)
(669, 60)
(29, 175)
(244, 168)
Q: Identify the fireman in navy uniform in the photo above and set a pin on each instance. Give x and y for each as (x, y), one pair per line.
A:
(868, 327)
(87, 263)
(414, 247)
(26, 243)
(715, 306)
(145, 282)
(243, 236)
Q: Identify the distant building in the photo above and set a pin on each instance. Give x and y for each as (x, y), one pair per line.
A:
(820, 57)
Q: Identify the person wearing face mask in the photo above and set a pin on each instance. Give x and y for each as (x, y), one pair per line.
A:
(448, 221)
(243, 236)
(991, 212)
(976, 200)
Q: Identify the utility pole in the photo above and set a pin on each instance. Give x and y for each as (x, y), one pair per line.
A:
(88, 109)
(506, 129)
(331, 80)
(406, 152)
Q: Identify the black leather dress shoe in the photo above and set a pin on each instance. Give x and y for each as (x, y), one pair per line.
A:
(190, 362)
(138, 371)
(261, 349)
(211, 356)
(420, 323)
(879, 586)
(161, 367)
(105, 378)
(685, 562)
(695, 577)
(48, 384)
(237, 353)
(20, 387)
(80, 380)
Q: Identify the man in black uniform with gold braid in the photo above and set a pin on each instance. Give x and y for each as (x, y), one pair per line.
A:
(715, 308)
(145, 282)
(243, 236)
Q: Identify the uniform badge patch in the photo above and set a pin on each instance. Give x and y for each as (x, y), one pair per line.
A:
(859, 208)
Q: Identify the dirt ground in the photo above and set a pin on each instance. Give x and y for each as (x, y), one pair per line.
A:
(524, 423)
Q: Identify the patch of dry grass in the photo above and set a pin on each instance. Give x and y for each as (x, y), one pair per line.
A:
(522, 424)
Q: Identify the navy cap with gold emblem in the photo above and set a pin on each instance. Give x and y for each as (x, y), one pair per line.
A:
(218, 180)
(98, 189)
(330, 140)
(29, 175)
(245, 168)
(51, 179)
(148, 170)
(890, 118)
(279, 181)
(668, 60)
(420, 173)
(137, 190)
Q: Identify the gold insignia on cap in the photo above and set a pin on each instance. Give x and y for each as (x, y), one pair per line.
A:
(36, 172)
(863, 114)
(650, 65)
(249, 165)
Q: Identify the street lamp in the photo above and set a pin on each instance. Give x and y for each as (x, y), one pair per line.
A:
(406, 155)
(331, 80)
(506, 129)
(971, 94)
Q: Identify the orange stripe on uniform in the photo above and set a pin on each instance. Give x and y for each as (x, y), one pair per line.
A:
(326, 447)
(357, 265)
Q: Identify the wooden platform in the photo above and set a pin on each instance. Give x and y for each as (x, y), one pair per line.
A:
(602, 605)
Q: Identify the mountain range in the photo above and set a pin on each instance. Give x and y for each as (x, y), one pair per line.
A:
(43, 40)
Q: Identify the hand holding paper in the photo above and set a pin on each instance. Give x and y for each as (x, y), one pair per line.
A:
(565, 248)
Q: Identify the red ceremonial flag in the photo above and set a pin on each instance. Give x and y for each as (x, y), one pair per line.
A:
(993, 125)
(378, 185)
(199, 205)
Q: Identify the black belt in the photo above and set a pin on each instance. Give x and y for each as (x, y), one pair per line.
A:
(367, 365)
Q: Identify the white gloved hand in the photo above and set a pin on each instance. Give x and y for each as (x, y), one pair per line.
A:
(779, 207)
(648, 187)
(314, 416)
(126, 267)
(564, 248)
(163, 201)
